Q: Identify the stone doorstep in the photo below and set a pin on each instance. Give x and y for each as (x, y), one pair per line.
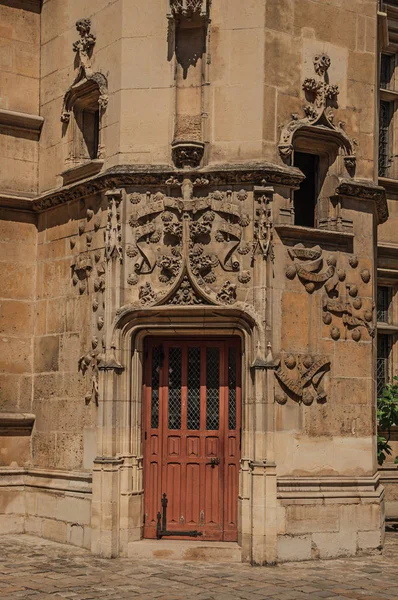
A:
(220, 552)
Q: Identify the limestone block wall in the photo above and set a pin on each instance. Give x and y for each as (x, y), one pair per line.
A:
(58, 73)
(64, 434)
(19, 80)
(17, 324)
(325, 432)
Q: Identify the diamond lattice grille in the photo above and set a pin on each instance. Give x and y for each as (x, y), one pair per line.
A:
(175, 388)
(193, 410)
(212, 388)
(232, 388)
(156, 359)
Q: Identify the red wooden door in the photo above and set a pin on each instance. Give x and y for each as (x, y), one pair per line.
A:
(191, 430)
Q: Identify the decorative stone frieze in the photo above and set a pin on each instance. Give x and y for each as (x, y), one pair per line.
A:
(129, 175)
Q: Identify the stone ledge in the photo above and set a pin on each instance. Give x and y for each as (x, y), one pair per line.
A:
(296, 233)
(83, 171)
(165, 176)
(16, 424)
(319, 488)
(47, 479)
(16, 202)
(23, 122)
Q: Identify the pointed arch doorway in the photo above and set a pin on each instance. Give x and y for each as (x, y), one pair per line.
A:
(192, 435)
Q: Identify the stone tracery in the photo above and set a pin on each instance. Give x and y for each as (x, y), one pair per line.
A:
(195, 240)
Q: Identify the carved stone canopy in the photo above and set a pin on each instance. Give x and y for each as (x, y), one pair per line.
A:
(189, 9)
(319, 115)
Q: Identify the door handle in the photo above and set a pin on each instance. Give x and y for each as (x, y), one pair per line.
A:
(214, 461)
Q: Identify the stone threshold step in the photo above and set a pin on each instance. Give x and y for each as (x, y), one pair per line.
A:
(220, 552)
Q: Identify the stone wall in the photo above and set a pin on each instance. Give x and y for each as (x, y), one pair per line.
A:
(19, 77)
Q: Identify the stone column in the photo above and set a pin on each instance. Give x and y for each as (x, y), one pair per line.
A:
(105, 519)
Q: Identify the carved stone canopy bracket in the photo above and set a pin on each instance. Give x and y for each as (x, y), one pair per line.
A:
(86, 79)
(300, 377)
(189, 9)
(187, 154)
(366, 190)
(322, 99)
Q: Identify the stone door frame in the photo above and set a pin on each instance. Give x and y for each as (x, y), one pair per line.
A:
(117, 504)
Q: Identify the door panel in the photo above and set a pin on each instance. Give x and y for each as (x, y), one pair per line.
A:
(191, 429)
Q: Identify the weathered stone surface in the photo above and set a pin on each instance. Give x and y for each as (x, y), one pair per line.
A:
(177, 215)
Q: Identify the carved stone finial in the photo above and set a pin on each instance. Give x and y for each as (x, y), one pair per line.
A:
(321, 97)
(321, 63)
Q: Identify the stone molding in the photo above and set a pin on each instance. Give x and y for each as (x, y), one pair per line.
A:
(83, 171)
(365, 190)
(23, 122)
(297, 489)
(16, 424)
(48, 479)
(341, 240)
(165, 175)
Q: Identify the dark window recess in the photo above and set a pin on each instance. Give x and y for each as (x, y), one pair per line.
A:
(91, 132)
(383, 357)
(387, 64)
(383, 303)
(305, 199)
(384, 138)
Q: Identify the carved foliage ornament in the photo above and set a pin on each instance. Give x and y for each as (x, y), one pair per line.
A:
(189, 8)
(300, 378)
(322, 98)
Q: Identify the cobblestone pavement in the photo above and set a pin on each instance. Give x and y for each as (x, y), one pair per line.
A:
(36, 569)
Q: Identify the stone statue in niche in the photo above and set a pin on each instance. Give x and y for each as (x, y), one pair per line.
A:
(300, 378)
(322, 99)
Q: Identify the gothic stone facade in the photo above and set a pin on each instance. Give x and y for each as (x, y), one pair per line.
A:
(190, 176)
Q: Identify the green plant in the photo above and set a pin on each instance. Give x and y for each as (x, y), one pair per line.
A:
(387, 416)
